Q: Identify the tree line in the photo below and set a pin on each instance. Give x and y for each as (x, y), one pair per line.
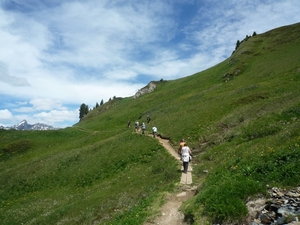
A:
(245, 39)
(84, 108)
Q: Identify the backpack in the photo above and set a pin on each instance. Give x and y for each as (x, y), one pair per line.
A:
(180, 147)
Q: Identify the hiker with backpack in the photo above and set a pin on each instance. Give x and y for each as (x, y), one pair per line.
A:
(148, 118)
(154, 131)
(143, 128)
(186, 155)
(181, 144)
(136, 126)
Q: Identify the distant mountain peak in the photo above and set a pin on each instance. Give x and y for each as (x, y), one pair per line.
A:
(23, 122)
(23, 125)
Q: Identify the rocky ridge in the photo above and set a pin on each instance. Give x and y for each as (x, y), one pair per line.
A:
(147, 89)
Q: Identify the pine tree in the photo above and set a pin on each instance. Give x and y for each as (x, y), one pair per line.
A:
(84, 109)
(237, 44)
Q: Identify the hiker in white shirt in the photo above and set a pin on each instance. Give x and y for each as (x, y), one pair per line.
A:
(143, 128)
(186, 155)
(136, 126)
(154, 131)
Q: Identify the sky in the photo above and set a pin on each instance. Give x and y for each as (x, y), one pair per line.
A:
(56, 55)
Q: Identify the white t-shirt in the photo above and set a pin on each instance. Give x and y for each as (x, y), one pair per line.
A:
(185, 156)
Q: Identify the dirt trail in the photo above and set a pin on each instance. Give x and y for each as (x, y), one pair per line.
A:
(169, 212)
(169, 148)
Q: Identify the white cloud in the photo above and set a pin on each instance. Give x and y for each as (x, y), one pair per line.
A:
(24, 109)
(56, 116)
(46, 104)
(5, 114)
(22, 103)
(12, 80)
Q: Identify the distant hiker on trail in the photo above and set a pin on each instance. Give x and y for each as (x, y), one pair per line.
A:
(128, 124)
(143, 128)
(186, 155)
(181, 144)
(154, 131)
(148, 118)
(136, 126)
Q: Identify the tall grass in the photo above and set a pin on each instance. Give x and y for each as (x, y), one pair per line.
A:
(89, 180)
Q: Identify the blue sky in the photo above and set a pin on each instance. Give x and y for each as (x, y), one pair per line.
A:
(56, 55)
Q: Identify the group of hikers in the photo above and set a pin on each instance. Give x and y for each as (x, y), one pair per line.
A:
(184, 151)
(137, 127)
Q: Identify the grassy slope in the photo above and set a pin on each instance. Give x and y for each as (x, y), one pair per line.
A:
(242, 115)
(80, 177)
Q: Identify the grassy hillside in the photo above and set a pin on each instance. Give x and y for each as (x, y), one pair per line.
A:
(241, 119)
(75, 176)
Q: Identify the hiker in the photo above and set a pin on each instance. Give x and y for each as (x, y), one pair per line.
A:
(154, 131)
(148, 118)
(143, 128)
(128, 124)
(181, 144)
(136, 126)
(186, 155)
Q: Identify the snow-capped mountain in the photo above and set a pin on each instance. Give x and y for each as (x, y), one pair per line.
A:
(23, 125)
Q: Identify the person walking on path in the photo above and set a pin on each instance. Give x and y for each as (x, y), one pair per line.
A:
(186, 153)
(154, 131)
(143, 128)
(128, 124)
(136, 126)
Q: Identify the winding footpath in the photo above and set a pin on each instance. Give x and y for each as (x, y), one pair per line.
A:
(169, 213)
(185, 178)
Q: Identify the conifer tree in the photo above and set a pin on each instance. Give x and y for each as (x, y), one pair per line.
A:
(84, 109)
(237, 44)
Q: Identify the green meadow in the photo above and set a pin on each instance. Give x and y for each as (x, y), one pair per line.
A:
(241, 118)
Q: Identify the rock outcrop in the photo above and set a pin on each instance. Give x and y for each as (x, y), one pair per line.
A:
(283, 207)
(147, 89)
